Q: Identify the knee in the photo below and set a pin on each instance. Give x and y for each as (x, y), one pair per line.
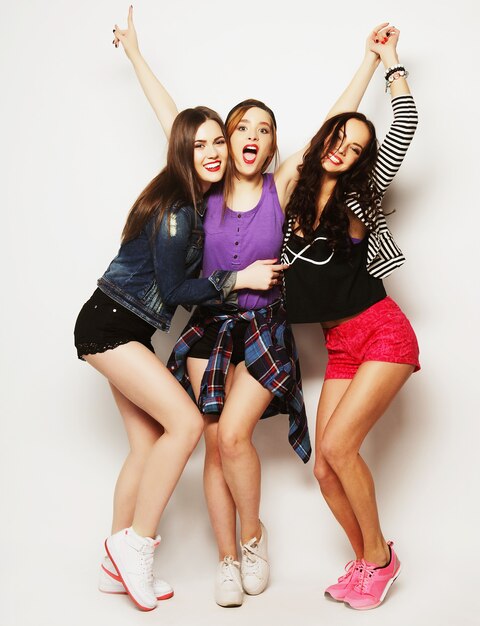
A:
(322, 471)
(192, 431)
(231, 444)
(338, 456)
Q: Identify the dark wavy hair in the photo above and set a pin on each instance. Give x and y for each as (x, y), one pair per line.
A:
(178, 183)
(356, 182)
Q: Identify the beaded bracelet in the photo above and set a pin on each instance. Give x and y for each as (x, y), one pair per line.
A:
(394, 72)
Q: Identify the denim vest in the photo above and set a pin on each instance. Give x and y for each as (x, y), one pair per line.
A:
(157, 271)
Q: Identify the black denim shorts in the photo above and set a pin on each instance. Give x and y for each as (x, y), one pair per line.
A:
(103, 324)
(202, 349)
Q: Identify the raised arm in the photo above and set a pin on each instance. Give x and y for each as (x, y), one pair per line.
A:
(353, 94)
(287, 174)
(164, 107)
(405, 117)
(400, 134)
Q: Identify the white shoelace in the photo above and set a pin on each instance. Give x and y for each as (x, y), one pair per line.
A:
(250, 558)
(146, 565)
(227, 572)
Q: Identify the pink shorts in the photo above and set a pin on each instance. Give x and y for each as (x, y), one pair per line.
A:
(380, 333)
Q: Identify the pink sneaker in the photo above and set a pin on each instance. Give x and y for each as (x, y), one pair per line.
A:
(374, 583)
(346, 582)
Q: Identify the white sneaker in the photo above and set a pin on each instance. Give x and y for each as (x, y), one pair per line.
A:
(228, 583)
(255, 568)
(110, 582)
(132, 557)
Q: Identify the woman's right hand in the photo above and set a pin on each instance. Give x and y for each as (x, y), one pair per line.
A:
(128, 38)
(260, 275)
(376, 39)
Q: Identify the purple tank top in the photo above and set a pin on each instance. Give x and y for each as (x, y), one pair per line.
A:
(234, 239)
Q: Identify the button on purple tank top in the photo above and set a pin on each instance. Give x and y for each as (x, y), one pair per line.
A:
(234, 239)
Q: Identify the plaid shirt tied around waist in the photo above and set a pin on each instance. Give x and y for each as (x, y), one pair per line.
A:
(270, 357)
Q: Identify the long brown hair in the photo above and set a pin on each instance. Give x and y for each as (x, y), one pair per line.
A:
(233, 118)
(355, 182)
(177, 184)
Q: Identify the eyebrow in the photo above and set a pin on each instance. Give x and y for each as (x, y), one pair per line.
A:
(345, 136)
(260, 124)
(205, 141)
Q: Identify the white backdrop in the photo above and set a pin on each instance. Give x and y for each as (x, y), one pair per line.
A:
(78, 143)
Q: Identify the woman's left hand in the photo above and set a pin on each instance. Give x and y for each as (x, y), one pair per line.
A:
(388, 50)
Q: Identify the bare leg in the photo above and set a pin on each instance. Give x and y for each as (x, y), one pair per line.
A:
(243, 408)
(143, 432)
(364, 401)
(139, 375)
(330, 485)
(220, 504)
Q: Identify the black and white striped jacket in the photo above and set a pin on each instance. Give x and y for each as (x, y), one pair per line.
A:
(383, 254)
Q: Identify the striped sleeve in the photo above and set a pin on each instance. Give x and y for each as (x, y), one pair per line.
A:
(395, 145)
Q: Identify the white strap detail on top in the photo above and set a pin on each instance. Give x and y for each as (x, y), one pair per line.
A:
(298, 255)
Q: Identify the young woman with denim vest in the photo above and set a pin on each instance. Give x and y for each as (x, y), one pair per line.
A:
(339, 247)
(243, 221)
(156, 270)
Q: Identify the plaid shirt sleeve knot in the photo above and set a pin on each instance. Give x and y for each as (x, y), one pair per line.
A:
(270, 357)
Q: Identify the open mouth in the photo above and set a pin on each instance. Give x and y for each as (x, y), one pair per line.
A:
(334, 158)
(214, 166)
(250, 152)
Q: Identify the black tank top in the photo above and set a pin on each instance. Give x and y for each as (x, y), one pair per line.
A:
(321, 287)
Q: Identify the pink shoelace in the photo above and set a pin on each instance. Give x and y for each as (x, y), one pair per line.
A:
(349, 569)
(366, 577)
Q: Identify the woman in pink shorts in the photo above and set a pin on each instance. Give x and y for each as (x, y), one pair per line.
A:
(339, 248)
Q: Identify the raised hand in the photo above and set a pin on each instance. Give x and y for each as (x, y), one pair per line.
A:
(382, 37)
(128, 37)
(388, 52)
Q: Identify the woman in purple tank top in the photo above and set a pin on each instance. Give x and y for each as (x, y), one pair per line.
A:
(241, 361)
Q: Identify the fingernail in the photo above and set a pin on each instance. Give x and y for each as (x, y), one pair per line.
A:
(376, 40)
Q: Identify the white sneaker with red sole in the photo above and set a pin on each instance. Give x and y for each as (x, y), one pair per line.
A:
(109, 582)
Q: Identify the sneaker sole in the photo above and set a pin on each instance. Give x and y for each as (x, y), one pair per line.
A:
(229, 605)
(382, 597)
(231, 599)
(116, 577)
(256, 592)
(124, 593)
(134, 600)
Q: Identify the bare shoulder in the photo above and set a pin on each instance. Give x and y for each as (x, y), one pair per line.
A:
(286, 176)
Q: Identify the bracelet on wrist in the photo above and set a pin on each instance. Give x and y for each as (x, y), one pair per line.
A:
(393, 73)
